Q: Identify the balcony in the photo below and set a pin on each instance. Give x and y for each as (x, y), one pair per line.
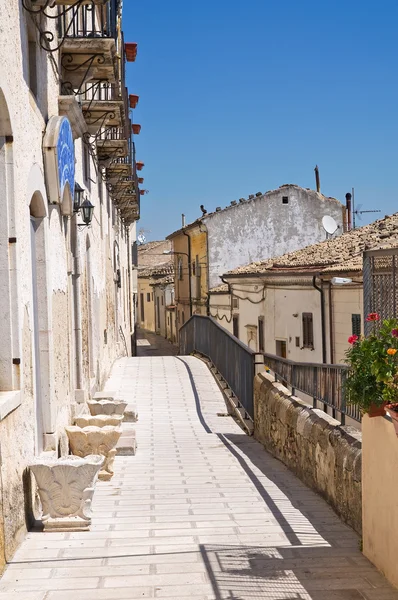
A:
(87, 43)
(112, 145)
(104, 105)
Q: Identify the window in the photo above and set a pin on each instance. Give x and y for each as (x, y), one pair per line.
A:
(134, 254)
(142, 307)
(148, 297)
(285, 199)
(183, 317)
(297, 342)
(356, 324)
(261, 334)
(281, 349)
(179, 268)
(308, 331)
(235, 325)
(235, 302)
(197, 274)
(162, 301)
(86, 165)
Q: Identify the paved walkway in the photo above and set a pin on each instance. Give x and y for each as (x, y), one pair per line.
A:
(202, 512)
(151, 344)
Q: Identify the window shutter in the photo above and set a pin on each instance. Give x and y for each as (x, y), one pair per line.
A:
(356, 324)
(308, 331)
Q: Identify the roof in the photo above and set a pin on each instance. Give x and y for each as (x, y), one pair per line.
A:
(167, 280)
(152, 254)
(340, 254)
(220, 289)
(162, 270)
(252, 198)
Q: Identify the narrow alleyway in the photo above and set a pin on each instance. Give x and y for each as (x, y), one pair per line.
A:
(202, 511)
(151, 344)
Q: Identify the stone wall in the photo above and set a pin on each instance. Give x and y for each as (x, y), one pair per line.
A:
(323, 454)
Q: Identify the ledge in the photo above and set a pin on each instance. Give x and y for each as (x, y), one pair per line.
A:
(9, 401)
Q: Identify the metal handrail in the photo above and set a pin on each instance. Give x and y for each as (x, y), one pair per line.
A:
(323, 383)
(234, 360)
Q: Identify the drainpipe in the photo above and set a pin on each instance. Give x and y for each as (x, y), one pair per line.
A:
(230, 294)
(189, 273)
(320, 290)
(132, 333)
(331, 324)
(207, 267)
(77, 308)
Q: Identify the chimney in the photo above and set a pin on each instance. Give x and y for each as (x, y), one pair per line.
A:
(183, 220)
(317, 180)
(348, 210)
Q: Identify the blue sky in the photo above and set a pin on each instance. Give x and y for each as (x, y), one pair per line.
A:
(241, 97)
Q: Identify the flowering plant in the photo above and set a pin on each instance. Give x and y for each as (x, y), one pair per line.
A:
(373, 360)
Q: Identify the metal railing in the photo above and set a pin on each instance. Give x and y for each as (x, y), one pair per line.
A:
(321, 382)
(89, 21)
(234, 360)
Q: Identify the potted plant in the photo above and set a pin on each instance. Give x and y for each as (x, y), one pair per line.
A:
(372, 381)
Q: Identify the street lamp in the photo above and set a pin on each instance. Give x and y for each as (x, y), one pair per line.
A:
(189, 276)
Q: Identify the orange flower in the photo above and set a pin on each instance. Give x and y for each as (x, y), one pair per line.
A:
(391, 351)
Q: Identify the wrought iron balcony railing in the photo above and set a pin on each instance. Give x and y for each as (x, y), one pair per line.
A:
(89, 21)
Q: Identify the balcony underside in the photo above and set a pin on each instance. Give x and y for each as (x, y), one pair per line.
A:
(110, 149)
(101, 113)
(118, 169)
(88, 59)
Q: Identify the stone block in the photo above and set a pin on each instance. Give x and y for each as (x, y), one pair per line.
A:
(127, 444)
(95, 440)
(106, 407)
(66, 488)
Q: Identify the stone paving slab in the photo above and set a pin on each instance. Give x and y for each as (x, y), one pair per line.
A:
(201, 511)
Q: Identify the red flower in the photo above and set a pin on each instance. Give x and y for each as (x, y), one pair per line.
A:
(373, 317)
(394, 333)
(352, 339)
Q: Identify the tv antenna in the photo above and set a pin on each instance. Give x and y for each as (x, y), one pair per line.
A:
(358, 212)
(329, 225)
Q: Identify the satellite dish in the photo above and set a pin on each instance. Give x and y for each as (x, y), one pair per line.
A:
(141, 238)
(329, 224)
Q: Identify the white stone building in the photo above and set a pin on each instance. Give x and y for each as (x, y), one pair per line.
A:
(306, 304)
(267, 225)
(67, 292)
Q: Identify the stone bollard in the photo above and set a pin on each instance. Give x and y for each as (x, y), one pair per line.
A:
(66, 488)
(98, 440)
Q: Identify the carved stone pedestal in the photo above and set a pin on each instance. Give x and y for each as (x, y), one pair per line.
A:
(98, 420)
(98, 440)
(66, 487)
(106, 407)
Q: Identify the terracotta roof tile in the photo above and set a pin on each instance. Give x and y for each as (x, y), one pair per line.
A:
(342, 253)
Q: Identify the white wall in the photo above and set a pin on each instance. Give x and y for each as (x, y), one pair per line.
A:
(38, 395)
(265, 227)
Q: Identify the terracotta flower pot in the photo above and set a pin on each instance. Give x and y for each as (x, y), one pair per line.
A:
(377, 411)
(131, 51)
(392, 410)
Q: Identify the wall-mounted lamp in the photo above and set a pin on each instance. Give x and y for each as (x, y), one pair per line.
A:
(87, 210)
(78, 198)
